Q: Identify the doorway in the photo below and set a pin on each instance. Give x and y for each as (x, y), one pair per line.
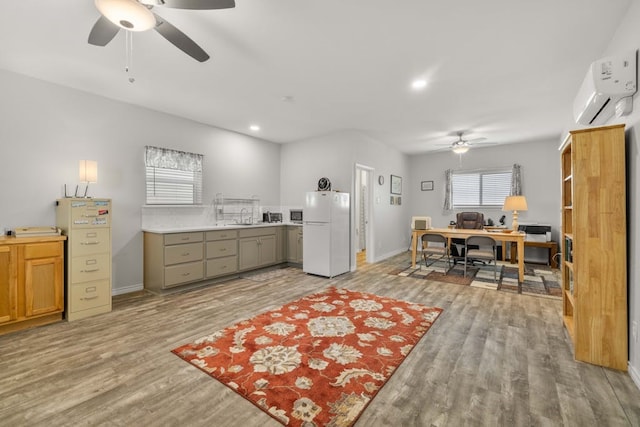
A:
(363, 221)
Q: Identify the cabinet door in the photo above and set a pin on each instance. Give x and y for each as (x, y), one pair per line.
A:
(249, 253)
(7, 285)
(267, 247)
(43, 286)
(299, 247)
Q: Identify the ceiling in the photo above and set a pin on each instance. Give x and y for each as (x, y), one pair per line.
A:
(504, 70)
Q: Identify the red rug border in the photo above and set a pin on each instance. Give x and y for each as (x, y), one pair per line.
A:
(328, 289)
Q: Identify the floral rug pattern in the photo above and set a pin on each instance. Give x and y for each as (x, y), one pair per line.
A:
(317, 361)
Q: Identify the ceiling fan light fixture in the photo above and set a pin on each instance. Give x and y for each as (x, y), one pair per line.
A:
(460, 149)
(127, 14)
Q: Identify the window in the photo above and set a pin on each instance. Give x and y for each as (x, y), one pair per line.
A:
(477, 189)
(173, 177)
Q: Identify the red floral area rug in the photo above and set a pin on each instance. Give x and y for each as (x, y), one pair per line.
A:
(317, 361)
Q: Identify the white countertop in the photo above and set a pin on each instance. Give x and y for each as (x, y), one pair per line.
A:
(185, 229)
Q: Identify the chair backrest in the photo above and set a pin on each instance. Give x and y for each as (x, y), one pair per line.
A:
(420, 222)
(481, 241)
(470, 220)
(434, 238)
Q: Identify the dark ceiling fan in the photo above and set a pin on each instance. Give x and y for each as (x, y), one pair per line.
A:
(136, 15)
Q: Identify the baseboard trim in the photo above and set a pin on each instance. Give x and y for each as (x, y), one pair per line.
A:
(390, 254)
(127, 289)
(634, 373)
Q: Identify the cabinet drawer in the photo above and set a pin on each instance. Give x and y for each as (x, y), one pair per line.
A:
(43, 250)
(179, 238)
(92, 213)
(90, 241)
(222, 266)
(90, 267)
(222, 248)
(182, 253)
(257, 232)
(221, 235)
(85, 296)
(183, 273)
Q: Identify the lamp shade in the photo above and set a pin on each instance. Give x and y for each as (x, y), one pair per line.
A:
(127, 14)
(88, 171)
(515, 203)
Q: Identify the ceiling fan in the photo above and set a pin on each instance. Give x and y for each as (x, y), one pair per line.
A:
(136, 15)
(461, 146)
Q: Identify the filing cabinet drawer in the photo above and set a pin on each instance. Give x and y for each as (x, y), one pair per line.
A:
(86, 296)
(90, 241)
(182, 253)
(222, 266)
(180, 238)
(43, 250)
(183, 273)
(90, 213)
(90, 267)
(222, 248)
(221, 235)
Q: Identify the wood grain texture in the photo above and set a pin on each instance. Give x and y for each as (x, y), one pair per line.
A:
(492, 358)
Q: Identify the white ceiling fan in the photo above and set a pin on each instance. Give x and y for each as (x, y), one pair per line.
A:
(462, 145)
(137, 15)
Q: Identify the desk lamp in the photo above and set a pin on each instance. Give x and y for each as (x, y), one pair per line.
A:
(515, 204)
(88, 173)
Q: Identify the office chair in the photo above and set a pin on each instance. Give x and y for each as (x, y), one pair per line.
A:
(434, 247)
(486, 252)
(468, 221)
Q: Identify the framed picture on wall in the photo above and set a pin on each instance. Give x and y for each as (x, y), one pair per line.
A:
(426, 185)
(396, 184)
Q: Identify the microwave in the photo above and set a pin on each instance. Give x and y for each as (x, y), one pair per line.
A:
(272, 217)
(295, 215)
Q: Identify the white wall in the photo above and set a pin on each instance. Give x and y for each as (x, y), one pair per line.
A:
(540, 162)
(628, 37)
(335, 156)
(47, 128)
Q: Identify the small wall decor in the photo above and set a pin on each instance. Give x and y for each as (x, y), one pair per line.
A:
(396, 184)
(393, 200)
(380, 179)
(426, 185)
(398, 200)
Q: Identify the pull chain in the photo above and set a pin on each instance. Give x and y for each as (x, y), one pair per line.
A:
(129, 54)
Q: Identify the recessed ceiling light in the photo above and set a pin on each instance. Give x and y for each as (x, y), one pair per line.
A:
(418, 84)
(254, 128)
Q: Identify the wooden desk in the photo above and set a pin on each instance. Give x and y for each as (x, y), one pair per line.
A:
(457, 233)
(552, 246)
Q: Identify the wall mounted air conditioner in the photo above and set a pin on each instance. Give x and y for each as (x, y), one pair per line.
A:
(607, 89)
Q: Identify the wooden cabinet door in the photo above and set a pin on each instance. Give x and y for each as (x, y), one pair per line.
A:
(43, 286)
(267, 247)
(249, 253)
(8, 308)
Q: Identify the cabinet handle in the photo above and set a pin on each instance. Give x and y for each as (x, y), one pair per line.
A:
(88, 298)
(90, 271)
(89, 216)
(91, 235)
(185, 239)
(185, 254)
(90, 243)
(223, 249)
(186, 274)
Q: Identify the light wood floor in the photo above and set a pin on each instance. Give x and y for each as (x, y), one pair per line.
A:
(491, 359)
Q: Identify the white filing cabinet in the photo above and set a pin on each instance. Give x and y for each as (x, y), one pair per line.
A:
(87, 224)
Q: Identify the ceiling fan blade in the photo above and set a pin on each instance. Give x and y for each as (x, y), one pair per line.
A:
(103, 32)
(180, 39)
(192, 4)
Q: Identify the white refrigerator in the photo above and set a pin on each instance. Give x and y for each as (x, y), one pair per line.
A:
(325, 231)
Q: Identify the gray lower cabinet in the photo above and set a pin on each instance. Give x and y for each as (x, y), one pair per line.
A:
(257, 248)
(221, 253)
(173, 259)
(294, 244)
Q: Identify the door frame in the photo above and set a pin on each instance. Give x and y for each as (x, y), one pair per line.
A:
(369, 229)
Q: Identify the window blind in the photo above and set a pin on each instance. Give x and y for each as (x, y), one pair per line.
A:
(173, 177)
(480, 188)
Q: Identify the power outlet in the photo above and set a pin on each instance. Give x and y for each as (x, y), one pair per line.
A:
(634, 331)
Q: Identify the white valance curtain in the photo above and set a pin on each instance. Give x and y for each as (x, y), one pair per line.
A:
(167, 158)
